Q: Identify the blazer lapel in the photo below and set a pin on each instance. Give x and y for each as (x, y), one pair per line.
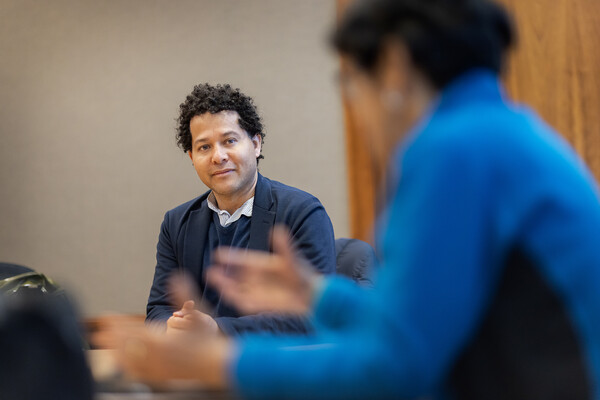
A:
(263, 218)
(195, 239)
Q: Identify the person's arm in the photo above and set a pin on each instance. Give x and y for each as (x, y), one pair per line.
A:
(313, 237)
(436, 279)
(272, 323)
(434, 283)
(159, 307)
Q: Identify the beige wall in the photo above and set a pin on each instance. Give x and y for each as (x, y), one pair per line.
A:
(88, 95)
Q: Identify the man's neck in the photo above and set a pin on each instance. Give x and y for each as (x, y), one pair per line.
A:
(233, 202)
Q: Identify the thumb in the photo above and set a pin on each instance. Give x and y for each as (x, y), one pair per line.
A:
(188, 306)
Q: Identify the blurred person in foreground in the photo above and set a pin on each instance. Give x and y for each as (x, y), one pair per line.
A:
(41, 340)
(490, 283)
(221, 131)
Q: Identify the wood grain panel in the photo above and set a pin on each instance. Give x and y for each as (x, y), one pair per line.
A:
(555, 69)
(361, 174)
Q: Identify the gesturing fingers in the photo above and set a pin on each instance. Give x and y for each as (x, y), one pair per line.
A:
(258, 281)
(181, 288)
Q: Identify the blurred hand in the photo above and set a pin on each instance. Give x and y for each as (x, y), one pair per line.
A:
(255, 281)
(156, 358)
(189, 319)
(98, 327)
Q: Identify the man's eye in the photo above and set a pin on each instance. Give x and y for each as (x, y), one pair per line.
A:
(230, 141)
(203, 148)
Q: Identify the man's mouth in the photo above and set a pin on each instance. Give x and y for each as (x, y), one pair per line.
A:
(222, 172)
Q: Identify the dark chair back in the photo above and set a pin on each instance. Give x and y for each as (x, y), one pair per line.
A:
(16, 278)
(41, 342)
(355, 259)
(41, 349)
(9, 270)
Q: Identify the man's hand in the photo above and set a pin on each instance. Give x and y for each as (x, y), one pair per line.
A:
(188, 319)
(193, 315)
(257, 281)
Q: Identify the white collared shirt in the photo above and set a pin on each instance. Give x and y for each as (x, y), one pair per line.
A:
(226, 219)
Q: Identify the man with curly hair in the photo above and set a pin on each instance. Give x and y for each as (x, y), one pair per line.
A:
(221, 131)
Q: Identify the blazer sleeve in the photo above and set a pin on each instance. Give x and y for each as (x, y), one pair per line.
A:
(313, 237)
(159, 308)
(312, 234)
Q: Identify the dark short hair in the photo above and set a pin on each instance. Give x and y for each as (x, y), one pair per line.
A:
(444, 37)
(206, 98)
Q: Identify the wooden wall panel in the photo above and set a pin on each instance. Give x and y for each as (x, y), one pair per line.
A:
(361, 175)
(555, 69)
(361, 183)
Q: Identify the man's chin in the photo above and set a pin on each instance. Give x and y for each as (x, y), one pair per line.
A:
(223, 190)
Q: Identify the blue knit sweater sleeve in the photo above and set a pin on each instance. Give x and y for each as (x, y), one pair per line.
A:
(476, 180)
(395, 341)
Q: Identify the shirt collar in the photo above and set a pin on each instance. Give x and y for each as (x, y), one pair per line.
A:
(226, 219)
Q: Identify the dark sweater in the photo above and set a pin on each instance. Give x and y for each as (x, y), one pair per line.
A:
(234, 235)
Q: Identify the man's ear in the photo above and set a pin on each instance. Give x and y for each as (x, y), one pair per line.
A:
(190, 154)
(257, 143)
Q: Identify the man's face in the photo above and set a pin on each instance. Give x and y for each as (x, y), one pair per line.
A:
(223, 154)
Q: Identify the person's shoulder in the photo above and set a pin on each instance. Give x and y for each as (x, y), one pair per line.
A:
(477, 131)
(186, 208)
(283, 192)
(292, 206)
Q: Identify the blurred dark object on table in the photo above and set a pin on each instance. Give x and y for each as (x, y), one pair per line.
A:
(41, 342)
(8, 270)
(16, 278)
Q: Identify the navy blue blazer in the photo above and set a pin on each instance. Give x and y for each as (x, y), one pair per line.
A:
(183, 235)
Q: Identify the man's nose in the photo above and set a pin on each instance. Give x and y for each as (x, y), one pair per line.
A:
(219, 155)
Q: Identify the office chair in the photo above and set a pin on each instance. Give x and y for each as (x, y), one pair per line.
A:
(16, 278)
(9, 270)
(355, 259)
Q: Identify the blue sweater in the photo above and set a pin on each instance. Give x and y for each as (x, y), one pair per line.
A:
(490, 283)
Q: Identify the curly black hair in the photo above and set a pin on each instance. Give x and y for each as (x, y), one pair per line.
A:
(213, 99)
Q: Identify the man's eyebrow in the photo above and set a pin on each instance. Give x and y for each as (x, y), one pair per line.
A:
(200, 140)
(230, 133)
(224, 134)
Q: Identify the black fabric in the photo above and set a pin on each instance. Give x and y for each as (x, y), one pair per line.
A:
(355, 259)
(526, 347)
(41, 349)
(237, 235)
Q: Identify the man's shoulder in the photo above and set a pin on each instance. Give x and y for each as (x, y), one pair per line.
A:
(186, 208)
(289, 194)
